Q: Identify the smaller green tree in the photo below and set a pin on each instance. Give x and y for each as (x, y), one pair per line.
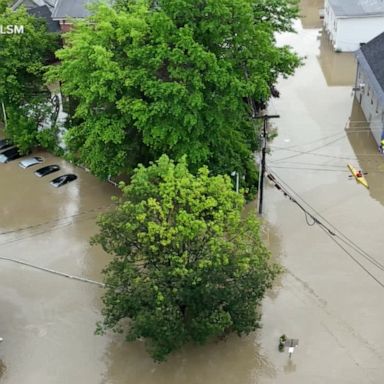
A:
(187, 267)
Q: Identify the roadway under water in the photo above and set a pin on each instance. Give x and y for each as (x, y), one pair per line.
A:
(325, 299)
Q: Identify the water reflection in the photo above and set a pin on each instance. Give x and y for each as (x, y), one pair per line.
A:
(339, 69)
(2, 368)
(310, 13)
(235, 360)
(290, 366)
(366, 151)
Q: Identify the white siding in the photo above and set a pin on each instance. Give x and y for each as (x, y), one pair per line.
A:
(351, 32)
(373, 111)
(346, 34)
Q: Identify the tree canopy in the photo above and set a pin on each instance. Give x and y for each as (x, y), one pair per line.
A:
(172, 77)
(23, 57)
(186, 266)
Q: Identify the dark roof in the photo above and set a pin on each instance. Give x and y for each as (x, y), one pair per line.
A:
(357, 8)
(33, 3)
(45, 13)
(373, 52)
(71, 8)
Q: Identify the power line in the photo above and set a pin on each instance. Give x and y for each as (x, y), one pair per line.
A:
(333, 233)
(342, 236)
(316, 140)
(83, 279)
(321, 169)
(315, 164)
(354, 259)
(310, 169)
(53, 221)
(263, 156)
(310, 152)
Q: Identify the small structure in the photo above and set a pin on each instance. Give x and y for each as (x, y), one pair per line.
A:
(291, 344)
(67, 10)
(369, 85)
(30, 4)
(60, 12)
(351, 23)
(45, 12)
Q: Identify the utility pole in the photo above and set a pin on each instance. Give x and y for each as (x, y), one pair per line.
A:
(234, 173)
(4, 114)
(263, 153)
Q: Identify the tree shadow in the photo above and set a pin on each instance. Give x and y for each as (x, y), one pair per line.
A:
(235, 360)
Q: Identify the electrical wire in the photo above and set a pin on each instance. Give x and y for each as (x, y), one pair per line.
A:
(316, 164)
(310, 152)
(53, 221)
(316, 140)
(300, 152)
(354, 259)
(341, 235)
(310, 169)
(18, 239)
(333, 233)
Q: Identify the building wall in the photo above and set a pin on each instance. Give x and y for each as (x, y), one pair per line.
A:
(64, 26)
(353, 31)
(373, 109)
(346, 34)
(330, 22)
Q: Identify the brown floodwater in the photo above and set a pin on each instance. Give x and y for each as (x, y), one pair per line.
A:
(324, 298)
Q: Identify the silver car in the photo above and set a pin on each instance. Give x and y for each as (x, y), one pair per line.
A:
(30, 161)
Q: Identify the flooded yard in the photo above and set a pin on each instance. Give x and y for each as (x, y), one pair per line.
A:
(327, 298)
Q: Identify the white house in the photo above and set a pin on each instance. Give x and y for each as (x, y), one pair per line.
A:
(369, 87)
(350, 23)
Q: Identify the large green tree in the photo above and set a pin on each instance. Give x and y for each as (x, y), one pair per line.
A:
(186, 266)
(23, 96)
(173, 77)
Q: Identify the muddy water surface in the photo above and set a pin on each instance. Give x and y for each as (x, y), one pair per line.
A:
(324, 298)
(327, 299)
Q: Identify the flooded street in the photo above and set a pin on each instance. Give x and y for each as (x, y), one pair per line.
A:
(329, 297)
(326, 298)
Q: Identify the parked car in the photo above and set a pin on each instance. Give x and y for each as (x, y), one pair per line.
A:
(4, 144)
(9, 154)
(30, 161)
(62, 180)
(41, 172)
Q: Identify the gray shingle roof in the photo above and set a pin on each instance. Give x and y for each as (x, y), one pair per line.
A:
(373, 52)
(71, 8)
(33, 3)
(45, 13)
(357, 8)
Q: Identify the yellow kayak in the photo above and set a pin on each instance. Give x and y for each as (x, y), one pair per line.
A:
(359, 178)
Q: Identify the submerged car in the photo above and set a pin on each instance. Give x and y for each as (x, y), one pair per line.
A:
(30, 161)
(9, 154)
(62, 180)
(41, 172)
(4, 144)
